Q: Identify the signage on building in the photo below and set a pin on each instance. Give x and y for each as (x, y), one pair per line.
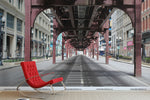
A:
(125, 48)
(51, 45)
(130, 43)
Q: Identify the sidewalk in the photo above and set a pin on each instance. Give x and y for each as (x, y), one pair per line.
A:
(8, 65)
(130, 62)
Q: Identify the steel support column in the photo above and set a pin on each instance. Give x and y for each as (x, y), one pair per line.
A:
(93, 50)
(63, 43)
(27, 49)
(137, 39)
(84, 52)
(67, 49)
(106, 35)
(54, 46)
(70, 52)
(89, 52)
(76, 52)
(98, 47)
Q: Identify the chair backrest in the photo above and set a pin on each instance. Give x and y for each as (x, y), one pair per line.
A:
(31, 74)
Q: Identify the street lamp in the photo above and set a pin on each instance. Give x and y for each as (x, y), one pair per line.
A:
(43, 40)
(118, 45)
(2, 24)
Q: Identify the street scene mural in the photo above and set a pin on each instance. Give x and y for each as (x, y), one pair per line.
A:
(87, 43)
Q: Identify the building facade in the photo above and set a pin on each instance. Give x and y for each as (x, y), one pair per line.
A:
(14, 31)
(122, 34)
(145, 20)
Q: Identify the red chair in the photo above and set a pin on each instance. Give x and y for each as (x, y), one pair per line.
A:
(33, 78)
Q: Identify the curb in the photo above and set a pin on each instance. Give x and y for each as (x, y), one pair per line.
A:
(130, 63)
(17, 64)
(4, 68)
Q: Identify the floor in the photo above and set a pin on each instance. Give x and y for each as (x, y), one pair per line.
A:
(82, 95)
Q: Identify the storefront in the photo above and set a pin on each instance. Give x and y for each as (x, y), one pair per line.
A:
(146, 44)
(40, 49)
(130, 48)
(124, 51)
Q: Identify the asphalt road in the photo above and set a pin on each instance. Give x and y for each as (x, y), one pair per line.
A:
(76, 71)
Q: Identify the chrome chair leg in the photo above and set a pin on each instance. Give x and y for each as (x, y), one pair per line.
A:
(25, 95)
(63, 85)
(53, 92)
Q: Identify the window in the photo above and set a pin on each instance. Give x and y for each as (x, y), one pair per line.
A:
(43, 22)
(19, 25)
(147, 40)
(146, 23)
(130, 33)
(51, 21)
(11, 1)
(39, 34)
(20, 3)
(10, 20)
(1, 13)
(36, 32)
(40, 20)
(48, 38)
(109, 33)
(43, 36)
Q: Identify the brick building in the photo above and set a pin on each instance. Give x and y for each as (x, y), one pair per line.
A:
(145, 20)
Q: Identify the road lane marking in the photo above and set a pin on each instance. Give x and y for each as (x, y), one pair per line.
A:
(82, 82)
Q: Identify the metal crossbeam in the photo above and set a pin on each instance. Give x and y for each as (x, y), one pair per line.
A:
(72, 18)
(92, 18)
(59, 21)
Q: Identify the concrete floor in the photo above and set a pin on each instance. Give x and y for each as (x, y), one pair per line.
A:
(83, 95)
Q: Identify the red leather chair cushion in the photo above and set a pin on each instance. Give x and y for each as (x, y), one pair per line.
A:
(56, 80)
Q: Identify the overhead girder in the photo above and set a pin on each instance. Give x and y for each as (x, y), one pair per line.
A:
(83, 21)
(79, 16)
(52, 3)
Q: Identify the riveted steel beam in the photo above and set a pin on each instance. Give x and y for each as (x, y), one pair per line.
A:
(58, 20)
(72, 18)
(92, 18)
(109, 15)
